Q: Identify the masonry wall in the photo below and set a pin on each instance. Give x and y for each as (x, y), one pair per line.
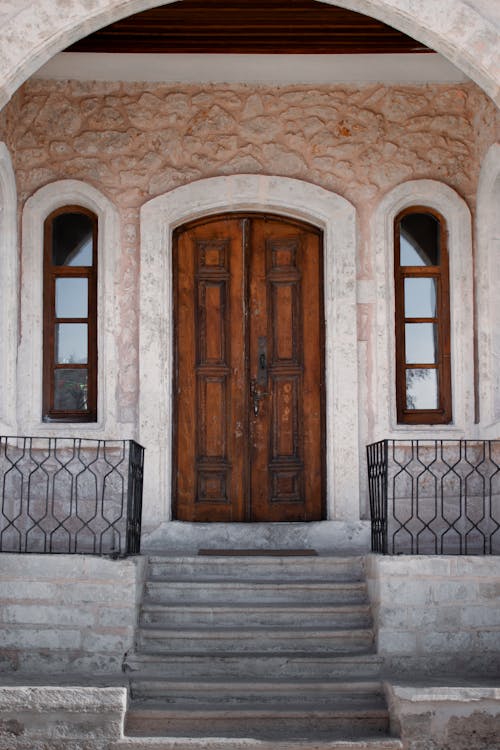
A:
(67, 613)
(436, 615)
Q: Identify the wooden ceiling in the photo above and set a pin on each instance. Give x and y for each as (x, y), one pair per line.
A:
(251, 27)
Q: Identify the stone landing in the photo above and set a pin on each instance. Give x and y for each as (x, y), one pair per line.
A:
(326, 537)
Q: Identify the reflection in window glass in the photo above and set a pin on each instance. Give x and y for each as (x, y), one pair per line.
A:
(420, 297)
(71, 298)
(72, 240)
(71, 343)
(419, 240)
(421, 343)
(70, 389)
(421, 389)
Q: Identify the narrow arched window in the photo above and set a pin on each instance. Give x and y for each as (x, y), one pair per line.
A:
(70, 316)
(422, 305)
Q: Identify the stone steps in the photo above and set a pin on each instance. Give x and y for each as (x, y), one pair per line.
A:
(256, 649)
(346, 715)
(292, 665)
(257, 592)
(228, 614)
(241, 568)
(236, 692)
(224, 743)
(264, 640)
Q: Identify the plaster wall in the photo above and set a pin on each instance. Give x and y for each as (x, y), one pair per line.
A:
(436, 615)
(67, 613)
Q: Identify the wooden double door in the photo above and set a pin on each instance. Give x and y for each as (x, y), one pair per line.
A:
(248, 386)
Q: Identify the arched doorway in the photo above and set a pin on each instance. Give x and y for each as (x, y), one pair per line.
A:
(295, 200)
(248, 384)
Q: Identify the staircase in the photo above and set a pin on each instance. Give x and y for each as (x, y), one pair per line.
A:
(274, 651)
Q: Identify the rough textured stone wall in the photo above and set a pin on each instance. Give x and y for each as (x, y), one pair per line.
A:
(67, 613)
(136, 141)
(445, 718)
(436, 615)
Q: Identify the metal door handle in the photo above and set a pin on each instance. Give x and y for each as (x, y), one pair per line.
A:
(262, 361)
(257, 395)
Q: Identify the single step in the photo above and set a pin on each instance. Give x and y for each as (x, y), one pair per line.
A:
(257, 568)
(200, 640)
(258, 592)
(287, 666)
(239, 691)
(267, 720)
(221, 743)
(272, 615)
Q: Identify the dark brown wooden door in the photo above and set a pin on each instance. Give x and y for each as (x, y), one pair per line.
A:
(248, 427)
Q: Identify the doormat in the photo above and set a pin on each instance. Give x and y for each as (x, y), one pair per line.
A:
(259, 552)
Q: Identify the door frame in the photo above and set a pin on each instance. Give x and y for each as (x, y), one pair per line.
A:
(285, 197)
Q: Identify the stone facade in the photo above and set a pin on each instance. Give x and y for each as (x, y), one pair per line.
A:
(67, 613)
(436, 615)
(132, 143)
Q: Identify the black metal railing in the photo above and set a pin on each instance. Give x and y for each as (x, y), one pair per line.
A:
(70, 495)
(437, 497)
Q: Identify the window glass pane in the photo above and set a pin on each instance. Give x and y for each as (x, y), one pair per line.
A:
(72, 240)
(421, 389)
(419, 239)
(71, 343)
(71, 298)
(420, 298)
(70, 388)
(421, 343)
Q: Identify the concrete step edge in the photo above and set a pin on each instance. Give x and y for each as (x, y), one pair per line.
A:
(232, 686)
(229, 743)
(153, 631)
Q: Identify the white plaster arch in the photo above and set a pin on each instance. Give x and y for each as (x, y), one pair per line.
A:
(461, 30)
(9, 267)
(287, 197)
(29, 371)
(488, 285)
(458, 219)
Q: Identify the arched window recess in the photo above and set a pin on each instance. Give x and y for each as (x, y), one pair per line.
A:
(70, 316)
(422, 317)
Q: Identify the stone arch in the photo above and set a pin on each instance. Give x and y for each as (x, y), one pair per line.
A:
(488, 284)
(460, 30)
(287, 197)
(29, 373)
(458, 219)
(9, 269)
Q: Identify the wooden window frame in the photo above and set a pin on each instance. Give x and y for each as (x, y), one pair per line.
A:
(443, 414)
(52, 272)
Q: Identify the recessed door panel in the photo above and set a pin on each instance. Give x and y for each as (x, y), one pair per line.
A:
(248, 389)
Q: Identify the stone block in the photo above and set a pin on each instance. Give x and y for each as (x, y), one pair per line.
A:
(481, 617)
(40, 638)
(46, 615)
(108, 641)
(454, 642)
(117, 616)
(396, 641)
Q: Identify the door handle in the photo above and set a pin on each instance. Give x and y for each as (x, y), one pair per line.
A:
(262, 361)
(259, 385)
(257, 395)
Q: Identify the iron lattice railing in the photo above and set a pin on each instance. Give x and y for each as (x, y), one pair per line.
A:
(437, 497)
(70, 495)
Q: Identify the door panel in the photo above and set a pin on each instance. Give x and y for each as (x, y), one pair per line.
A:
(249, 371)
